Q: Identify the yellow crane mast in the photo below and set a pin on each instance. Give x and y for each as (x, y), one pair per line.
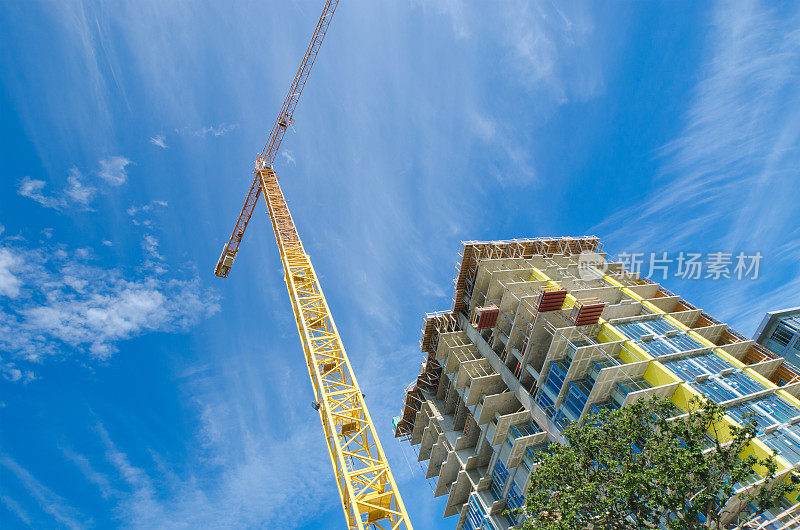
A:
(366, 486)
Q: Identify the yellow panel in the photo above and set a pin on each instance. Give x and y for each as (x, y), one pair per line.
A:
(683, 394)
(657, 375)
(788, 397)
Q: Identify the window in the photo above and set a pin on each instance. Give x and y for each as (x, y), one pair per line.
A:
(720, 389)
(688, 368)
(476, 516)
(623, 388)
(555, 376)
(782, 335)
(786, 441)
(514, 500)
(523, 429)
(499, 477)
(767, 411)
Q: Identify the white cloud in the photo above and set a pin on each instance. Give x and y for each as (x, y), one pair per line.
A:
(113, 171)
(49, 501)
(77, 192)
(14, 507)
(241, 476)
(288, 156)
(133, 210)
(11, 373)
(65, 303)
(211, 130)
(32, 189)
(159, 140)
(9, 281)
(728, 180)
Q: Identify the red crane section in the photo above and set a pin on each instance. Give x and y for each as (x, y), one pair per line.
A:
(267, 155)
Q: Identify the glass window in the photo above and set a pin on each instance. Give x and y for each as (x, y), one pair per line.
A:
(767, 411)
(667, 345)
(734, 385)
(514, 500)
(688, 368)
(782, 335)
(714, 391)
(786, 442)
(499, 477)
(623, 388)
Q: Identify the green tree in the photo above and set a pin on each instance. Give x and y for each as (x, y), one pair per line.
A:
(640, 467)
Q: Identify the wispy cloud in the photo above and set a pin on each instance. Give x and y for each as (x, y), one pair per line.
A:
(244, 475)
(211, 130)
(15, 508)
(113, 171)
(551, 47)
(61, 301)
(159, 140)
(134, 210)
(49, 501)
(288, 157)
(10, 266)
(76, 193)
(728, 180)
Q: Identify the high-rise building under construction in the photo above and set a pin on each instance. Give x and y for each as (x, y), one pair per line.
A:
(545, 331)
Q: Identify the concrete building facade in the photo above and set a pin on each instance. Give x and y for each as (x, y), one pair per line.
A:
(545, 331)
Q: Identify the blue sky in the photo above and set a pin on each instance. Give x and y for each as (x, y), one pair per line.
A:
(139, 390)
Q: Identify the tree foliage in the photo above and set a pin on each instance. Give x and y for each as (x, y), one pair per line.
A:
(640, 467)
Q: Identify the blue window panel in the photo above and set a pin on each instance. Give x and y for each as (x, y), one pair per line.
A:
(577, 395)
(656, 326)
(767, 411)
(623, 388)
(684, 342)
(786, 441)
(713, 362)
(522, 429)
(778, 408)
(605, 405)
(476, 516)
(688, 368)
(560, 420)
(743, 383)
(668, 345)
(632, 330)
(714, 391)
(544, 399)
(739, 412)
(660, 326)
(513, 500)
(735, 385)
(556, 372)
(499, 477)
(656, 347)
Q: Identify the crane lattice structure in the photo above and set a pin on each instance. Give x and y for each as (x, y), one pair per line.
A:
(366, 486)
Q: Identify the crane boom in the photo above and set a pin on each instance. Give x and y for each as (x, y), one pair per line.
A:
(365, 482)
(366, 485)
(282, 122)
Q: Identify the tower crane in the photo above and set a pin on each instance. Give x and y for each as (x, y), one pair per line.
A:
(366, 486)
